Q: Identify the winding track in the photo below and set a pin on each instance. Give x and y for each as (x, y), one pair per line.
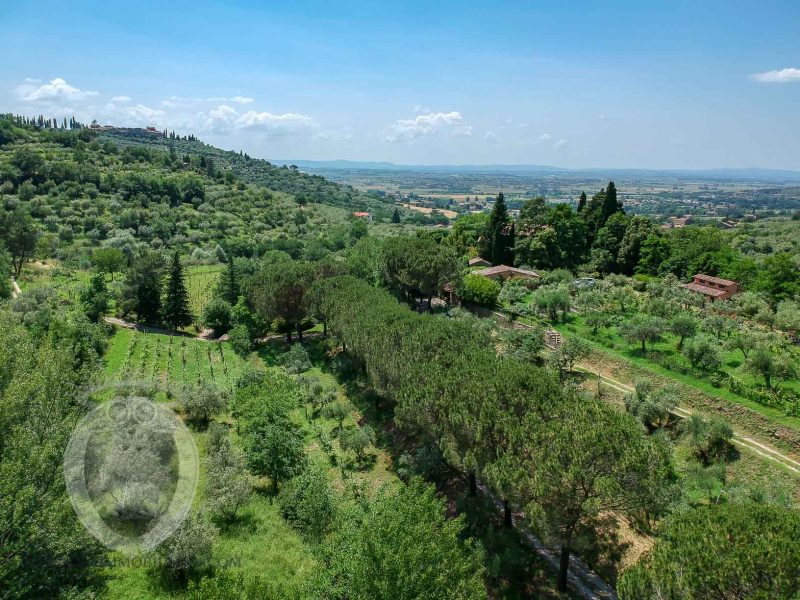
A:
(743, 441)
(740, 440)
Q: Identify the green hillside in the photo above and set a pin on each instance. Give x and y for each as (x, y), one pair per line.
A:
(72, 190)
(310, 188)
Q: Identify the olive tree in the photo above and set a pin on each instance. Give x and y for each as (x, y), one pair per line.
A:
(642, 329)
(771, 365)
(684, 326)
(357, 440)
(703, 353)
(228, 483)
(188, 549)
(203, 401)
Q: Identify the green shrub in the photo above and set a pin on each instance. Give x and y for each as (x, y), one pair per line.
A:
(296, 360)
(480, 290)
(217, 316)
(717, 379)
(343, 365)
(240, 340)
(307, 502)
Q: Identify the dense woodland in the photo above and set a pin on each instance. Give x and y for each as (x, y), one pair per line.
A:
(344, 360)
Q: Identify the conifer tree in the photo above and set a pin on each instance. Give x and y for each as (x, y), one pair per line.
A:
(176, 301)
(610, 204)
(229, 285)
(498, 239)
(396, 216)
(582, 202)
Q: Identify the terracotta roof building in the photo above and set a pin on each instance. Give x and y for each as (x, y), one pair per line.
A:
(479, 262)
(712, 288)
(505, 272)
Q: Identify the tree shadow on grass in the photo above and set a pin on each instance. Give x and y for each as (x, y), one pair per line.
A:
(352, 465)
(603, 549)
(245, 522)
(513, 570)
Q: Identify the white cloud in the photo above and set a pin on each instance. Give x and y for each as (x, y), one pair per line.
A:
(545, 137)
(54, 91)
(491, 137)
(426, 125)
(560, 143)
(140, 111)
(137, 114)
(780, 76)
(185, 102)
(269, 121)
(225, 119)
(120, 99)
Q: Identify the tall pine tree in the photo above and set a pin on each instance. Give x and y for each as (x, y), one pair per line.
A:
(497, 243)
(603, 205)
(582, 202)
(228, 286)
(610, 204)
(176, 300)
(396, 216)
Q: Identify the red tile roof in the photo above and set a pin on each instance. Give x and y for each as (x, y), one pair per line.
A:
(501, 269)
(704, 289)
(717, 280)
(478, 261)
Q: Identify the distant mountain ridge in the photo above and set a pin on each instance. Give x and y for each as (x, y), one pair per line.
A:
(748, 173)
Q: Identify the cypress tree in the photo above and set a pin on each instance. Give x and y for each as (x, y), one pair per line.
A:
(396, 216)
(231, 286)
(582, 202)
(176, 302)
(497, 245)
(610, 204)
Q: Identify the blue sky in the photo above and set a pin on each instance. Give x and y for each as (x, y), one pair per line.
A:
(672, 84)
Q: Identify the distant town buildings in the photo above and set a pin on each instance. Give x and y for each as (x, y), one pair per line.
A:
(678, 222)
(95, 126)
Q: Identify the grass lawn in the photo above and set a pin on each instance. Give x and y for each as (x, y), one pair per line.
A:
(258, 542)
(67, 282)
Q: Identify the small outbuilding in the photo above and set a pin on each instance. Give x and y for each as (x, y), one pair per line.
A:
(479, 262)
(712, 288)
(504, 272)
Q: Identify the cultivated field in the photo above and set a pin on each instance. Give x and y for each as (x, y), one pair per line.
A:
(200, 281)
(174, 362)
